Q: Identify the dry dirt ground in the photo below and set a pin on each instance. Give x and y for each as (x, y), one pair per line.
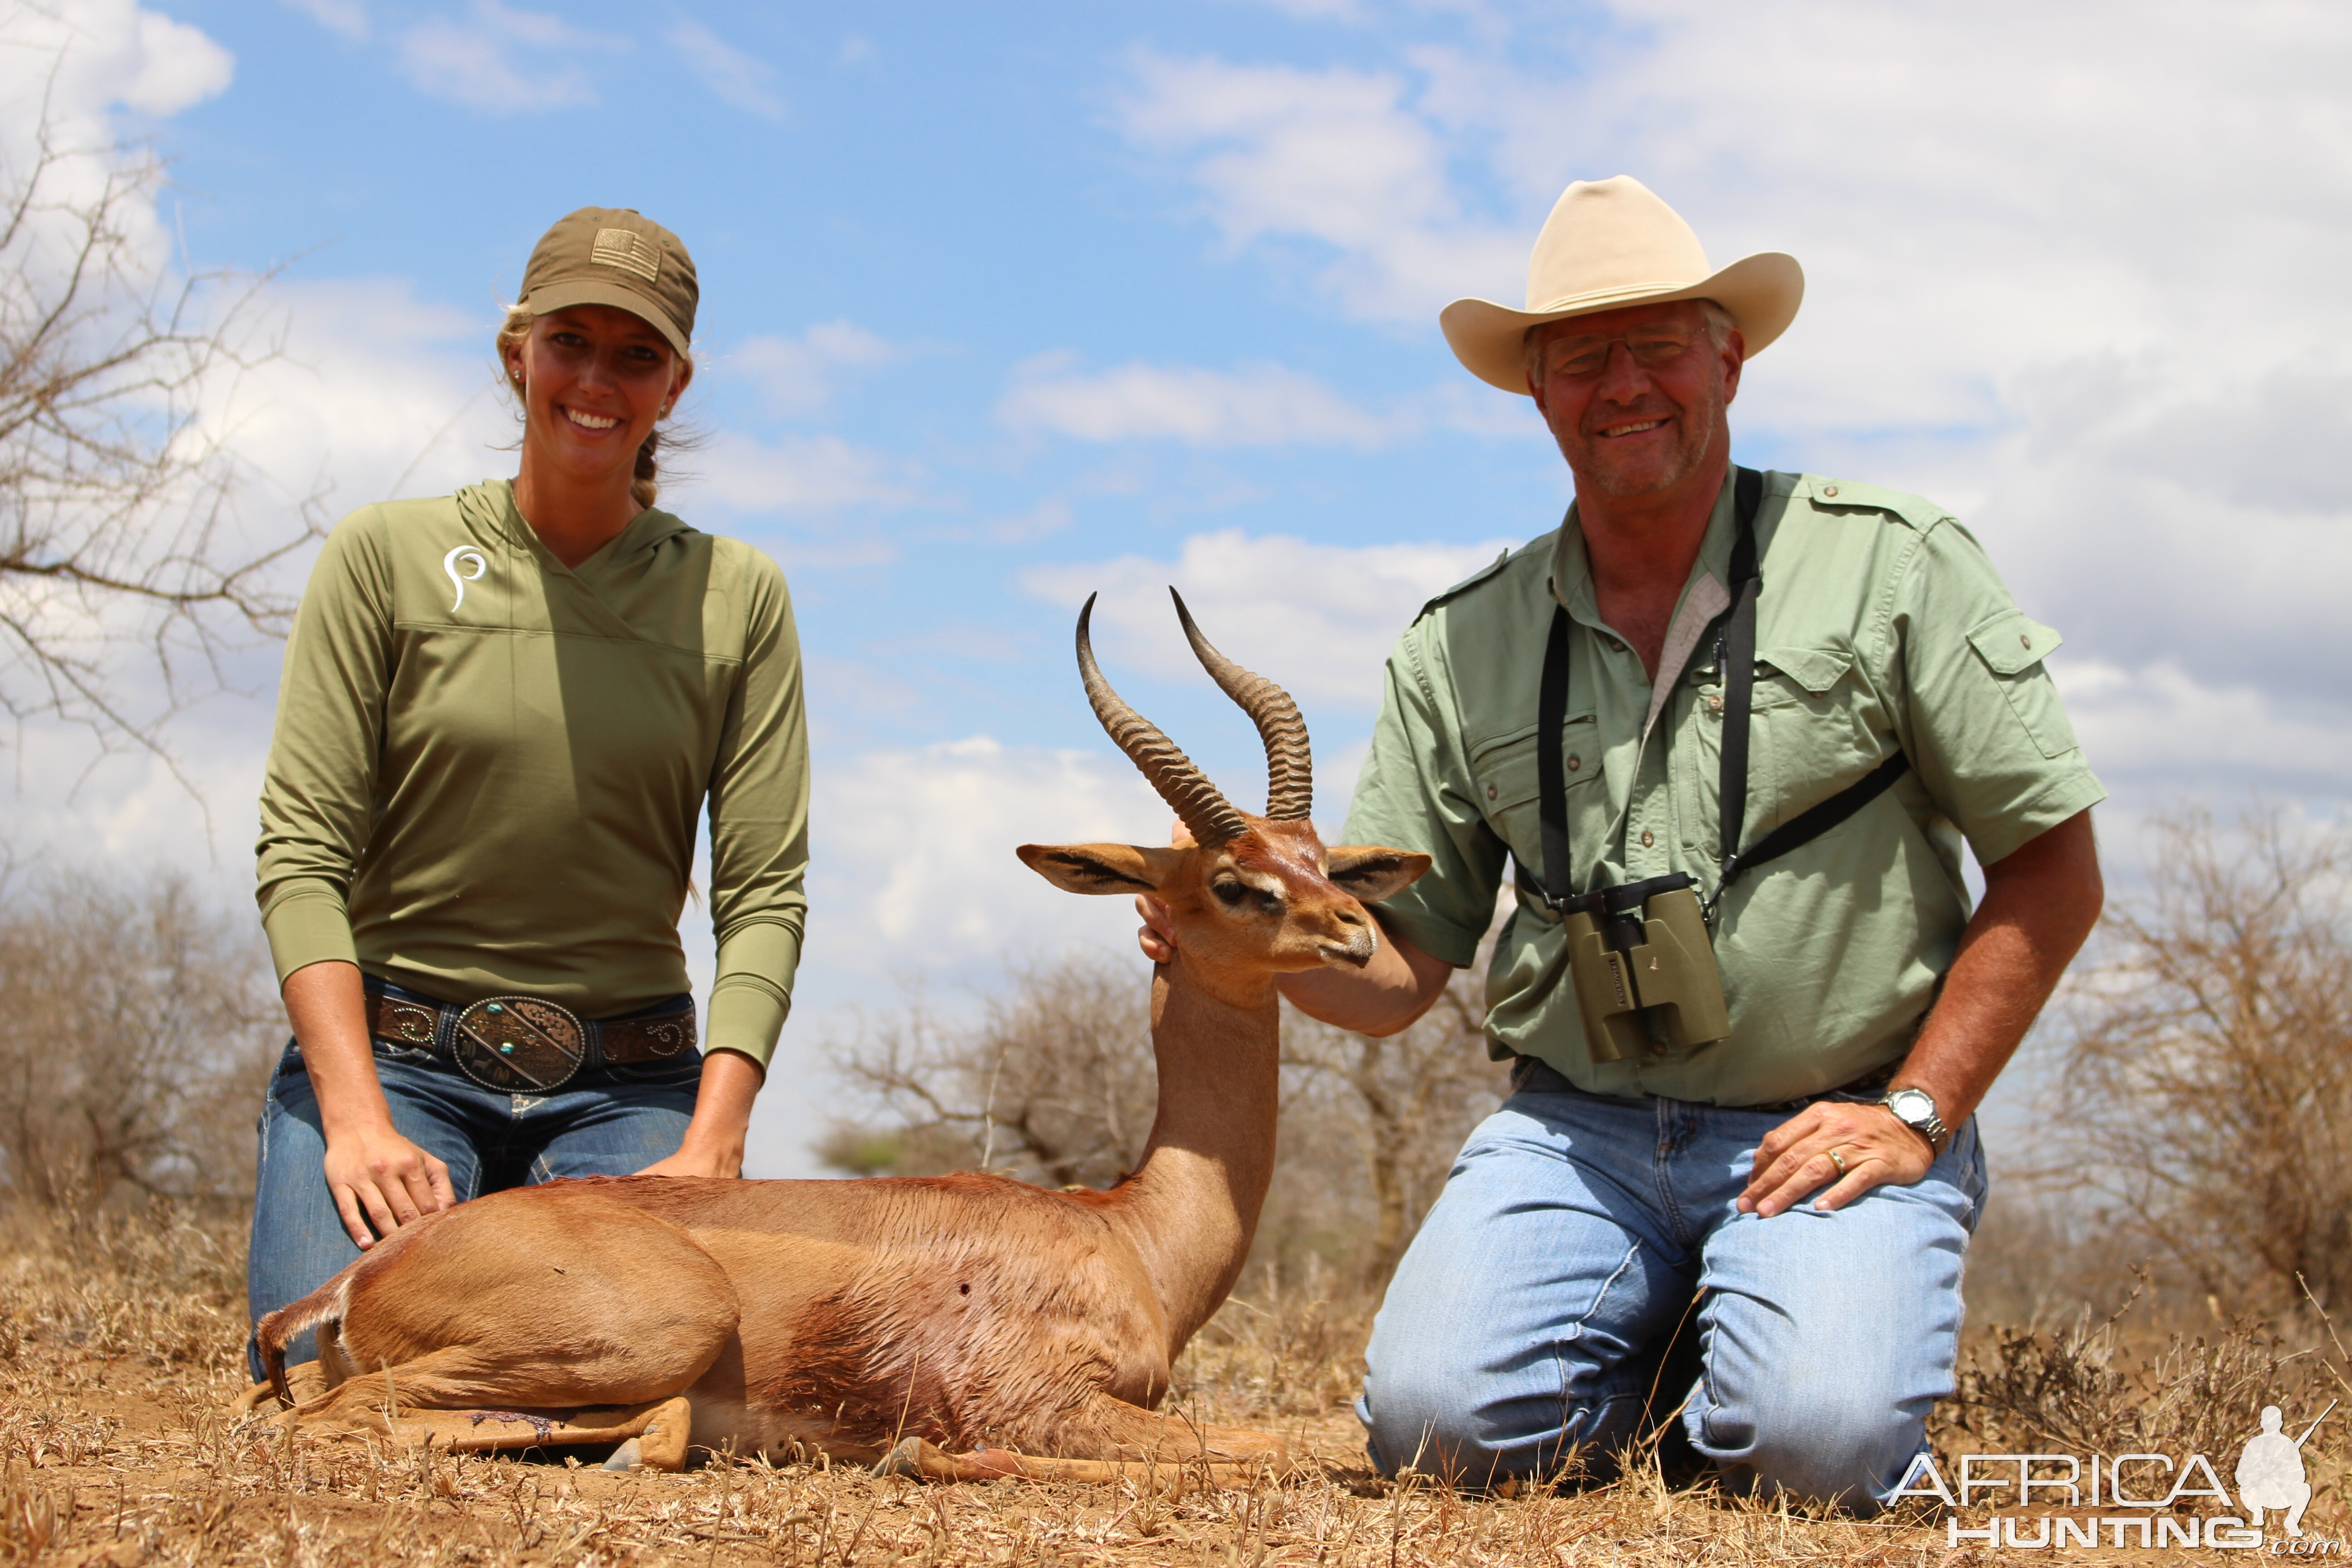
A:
(120, 1358)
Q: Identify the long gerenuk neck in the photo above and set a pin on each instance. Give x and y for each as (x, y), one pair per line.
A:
(1192, 1209)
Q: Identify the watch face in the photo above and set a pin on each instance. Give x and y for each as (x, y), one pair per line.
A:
(1912, 1104)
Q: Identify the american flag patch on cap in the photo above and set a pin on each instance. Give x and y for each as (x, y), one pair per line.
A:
(628, 250)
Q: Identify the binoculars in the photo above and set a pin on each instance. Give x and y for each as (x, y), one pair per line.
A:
(1644, 968)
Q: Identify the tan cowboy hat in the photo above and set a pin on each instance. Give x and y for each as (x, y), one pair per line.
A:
(1611, 243)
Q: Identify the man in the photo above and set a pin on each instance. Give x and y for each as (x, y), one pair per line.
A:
(1814, 1177)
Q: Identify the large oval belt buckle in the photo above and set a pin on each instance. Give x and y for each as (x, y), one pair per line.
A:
(519, 1045)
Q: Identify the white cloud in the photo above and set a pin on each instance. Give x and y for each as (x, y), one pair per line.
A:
(1049, 517)
(2026, 200)
(504, 59)
(1333, 10)
(1318, 619)
(2161, 726)
(1334, 157)
(1256, 405)
(348, 17)
(371, 391)
(741, 80)
(796, 376)
(799, 474)
(2078, 280)
(912, 854)
(179, 66)
(377, 393)
(194, 813)
(84, 57)
(1253, 406)
(2043, 189)
(78, 77)
(917, 887)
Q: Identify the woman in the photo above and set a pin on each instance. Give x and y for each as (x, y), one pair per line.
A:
(501, 715)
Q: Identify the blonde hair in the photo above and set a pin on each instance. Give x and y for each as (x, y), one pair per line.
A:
(645, 483)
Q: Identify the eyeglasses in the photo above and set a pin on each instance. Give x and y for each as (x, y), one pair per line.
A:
(1652, 347)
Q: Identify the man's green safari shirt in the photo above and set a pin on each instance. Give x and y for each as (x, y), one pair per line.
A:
(488, 767)
(1881, 624)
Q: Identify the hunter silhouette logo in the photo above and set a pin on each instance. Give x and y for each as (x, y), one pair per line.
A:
(2270, 1472)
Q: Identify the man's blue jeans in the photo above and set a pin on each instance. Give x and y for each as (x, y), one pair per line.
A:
(607, 1120)
(1527, 1317)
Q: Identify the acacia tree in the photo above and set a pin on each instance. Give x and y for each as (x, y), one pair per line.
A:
(1054, 1082)
(124, 552)
(1402, 1104)
(138, 1028)
(2207, 1089)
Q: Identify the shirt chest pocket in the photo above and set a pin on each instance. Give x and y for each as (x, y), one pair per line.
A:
(1812, 735)
(1507, 780)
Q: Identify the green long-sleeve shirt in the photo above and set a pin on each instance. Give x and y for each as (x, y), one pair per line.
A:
(487, 766)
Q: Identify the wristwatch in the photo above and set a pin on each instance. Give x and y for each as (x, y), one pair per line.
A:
(1916, 1109)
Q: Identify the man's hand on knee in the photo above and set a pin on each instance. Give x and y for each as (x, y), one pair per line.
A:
(1847, 1148)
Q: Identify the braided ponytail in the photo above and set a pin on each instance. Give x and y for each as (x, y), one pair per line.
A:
(648, 482)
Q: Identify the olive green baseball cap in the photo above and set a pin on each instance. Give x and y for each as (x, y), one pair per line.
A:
(616, 256)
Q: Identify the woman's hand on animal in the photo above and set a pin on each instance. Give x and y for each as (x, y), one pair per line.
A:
(713, 1145)
(381, 1181)
(1837, 1144)
(698, 1162)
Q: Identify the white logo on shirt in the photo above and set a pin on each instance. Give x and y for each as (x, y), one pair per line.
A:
(464, 555)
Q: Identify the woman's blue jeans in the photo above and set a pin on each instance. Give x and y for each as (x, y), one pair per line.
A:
(607, 1120)
(1527, 1319)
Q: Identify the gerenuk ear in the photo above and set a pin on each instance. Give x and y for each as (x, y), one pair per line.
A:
(1371, 872)
(1104, 868)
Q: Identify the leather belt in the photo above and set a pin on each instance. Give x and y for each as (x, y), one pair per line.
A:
(1872, 1082)
(1534, 1072)
(525, 1043)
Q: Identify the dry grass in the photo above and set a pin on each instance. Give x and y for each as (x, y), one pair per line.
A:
(119, 1354)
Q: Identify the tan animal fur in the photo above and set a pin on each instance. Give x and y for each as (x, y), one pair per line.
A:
(964, 1325)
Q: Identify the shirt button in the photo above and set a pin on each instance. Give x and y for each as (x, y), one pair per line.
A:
(1648, 838)
(1614, 644)
(2024, 641)
(1490, 792)
(1714, 704)
(1828, 489)
(1574, 761)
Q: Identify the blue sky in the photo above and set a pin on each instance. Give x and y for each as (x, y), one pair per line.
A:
(912, 236)
(1005, 304)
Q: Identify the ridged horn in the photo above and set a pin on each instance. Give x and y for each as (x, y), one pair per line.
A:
(1205, 812)
(1289, 763)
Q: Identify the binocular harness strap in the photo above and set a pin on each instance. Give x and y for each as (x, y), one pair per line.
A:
(1737, 651)
(1738, 659)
